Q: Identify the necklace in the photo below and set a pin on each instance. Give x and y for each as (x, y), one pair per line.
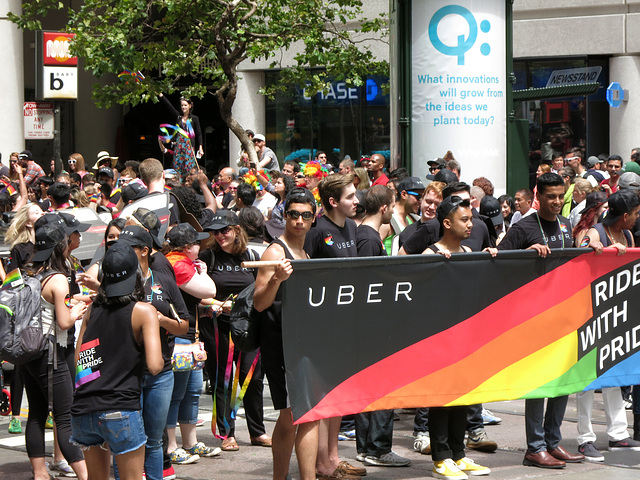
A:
(613, 240)
(544, 237)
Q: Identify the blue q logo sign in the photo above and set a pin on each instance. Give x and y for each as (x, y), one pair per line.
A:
(463, 44)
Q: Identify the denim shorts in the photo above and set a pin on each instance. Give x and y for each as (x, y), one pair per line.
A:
(122, 431)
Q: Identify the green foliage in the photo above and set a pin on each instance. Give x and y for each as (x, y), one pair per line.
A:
(195, 45)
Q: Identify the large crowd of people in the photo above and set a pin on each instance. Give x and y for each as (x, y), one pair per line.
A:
(118, 320)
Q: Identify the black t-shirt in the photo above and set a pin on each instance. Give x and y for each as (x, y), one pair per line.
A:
(428, 233)
(20, 255)
(227, 273)
(369, 243)
(408, 232)
(328, 240)
(161, 290)
(528, 231)
(161, 264)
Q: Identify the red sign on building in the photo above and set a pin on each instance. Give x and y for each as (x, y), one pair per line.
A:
(55, 49)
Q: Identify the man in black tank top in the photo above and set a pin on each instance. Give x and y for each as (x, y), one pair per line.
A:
(541, 232)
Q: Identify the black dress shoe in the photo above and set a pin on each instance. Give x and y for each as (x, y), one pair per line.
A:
(542, 459)
(561, 454)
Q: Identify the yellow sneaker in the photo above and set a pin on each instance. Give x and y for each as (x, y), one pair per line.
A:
(49, 423)
(470, 467)
(447, 469)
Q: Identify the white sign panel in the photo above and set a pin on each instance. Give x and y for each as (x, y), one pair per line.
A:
(459, 86)
(38, 120)
(60, 82)
(573, 76)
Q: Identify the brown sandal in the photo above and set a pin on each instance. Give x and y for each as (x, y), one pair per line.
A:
(261, 441)
(229, 445)
(348, 469)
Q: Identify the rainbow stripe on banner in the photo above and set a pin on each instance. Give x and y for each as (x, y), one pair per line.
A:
(470, 330)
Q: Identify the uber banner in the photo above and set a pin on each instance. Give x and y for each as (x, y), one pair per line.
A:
(368, 334)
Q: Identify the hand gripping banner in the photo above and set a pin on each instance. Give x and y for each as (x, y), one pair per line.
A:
(368, 334)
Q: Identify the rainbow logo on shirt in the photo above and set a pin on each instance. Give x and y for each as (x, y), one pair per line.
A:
(329, 240)
(156, 289)
(563, 228)
(87, 360)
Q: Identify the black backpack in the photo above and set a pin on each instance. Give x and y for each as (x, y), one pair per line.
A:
(21, 332)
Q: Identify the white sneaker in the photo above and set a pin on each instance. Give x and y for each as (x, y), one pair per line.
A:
(447, 469)
(470, 467)
(422, 443)
(62, 468)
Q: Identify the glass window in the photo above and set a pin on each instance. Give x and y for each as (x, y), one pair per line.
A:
(344, 120)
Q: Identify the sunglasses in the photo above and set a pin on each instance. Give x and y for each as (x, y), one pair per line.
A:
(72, 162)
(433, 169)
(222, 231)
(295, 215)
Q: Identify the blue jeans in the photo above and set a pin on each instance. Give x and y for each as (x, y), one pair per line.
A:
(185, 399)
(543, 428)
(122, 430)
(156, 397)
(374, 432)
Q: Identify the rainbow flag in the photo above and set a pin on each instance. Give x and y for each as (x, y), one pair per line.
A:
(13, 279)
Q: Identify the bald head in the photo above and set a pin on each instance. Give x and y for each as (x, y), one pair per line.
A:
(376, 162)
(227, 175)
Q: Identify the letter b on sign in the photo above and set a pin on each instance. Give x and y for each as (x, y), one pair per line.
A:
(55, 83)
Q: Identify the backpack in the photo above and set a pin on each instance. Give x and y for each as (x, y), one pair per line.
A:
(21, 332)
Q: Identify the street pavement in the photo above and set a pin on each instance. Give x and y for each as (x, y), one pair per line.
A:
(251, 462)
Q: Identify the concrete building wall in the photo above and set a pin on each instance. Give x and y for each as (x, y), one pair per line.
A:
(11, 83)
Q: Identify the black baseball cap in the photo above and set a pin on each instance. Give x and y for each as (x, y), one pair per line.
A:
(222, 218)
(438, 162)
(184, 234)
(133, 191)
(48, 236)
(490, 207)
(119, 269)
(106, 170)
(621, 202)
(149, 220)
(410, 184)
(69, 222)
(136, 236)
(25, 154)
(593, 199)
(449, 204)
(445, 176)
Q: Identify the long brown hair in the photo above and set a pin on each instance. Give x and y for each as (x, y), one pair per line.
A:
(240, 244)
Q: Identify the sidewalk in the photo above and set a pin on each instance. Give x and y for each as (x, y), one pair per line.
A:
(251, 463)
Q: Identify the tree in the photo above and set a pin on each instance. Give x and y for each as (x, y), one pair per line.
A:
(204, 41)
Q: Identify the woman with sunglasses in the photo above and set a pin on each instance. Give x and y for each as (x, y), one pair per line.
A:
(223, 258)
(76, 164)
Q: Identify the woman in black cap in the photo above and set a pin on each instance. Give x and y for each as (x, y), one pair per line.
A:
(224, 259)
(119, 336)
(181, 248)
(50, 264)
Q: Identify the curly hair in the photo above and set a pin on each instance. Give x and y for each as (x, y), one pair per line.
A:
(187, 197)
